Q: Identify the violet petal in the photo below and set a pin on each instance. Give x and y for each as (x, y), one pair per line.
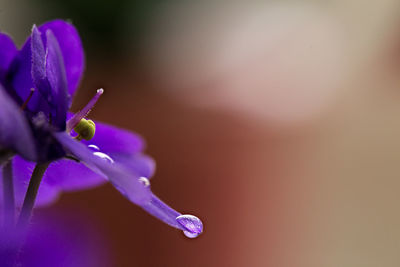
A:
(14, 129)
(71, 50)
(38, 70)
(69, 175)
(7, 53)
(20, 78)
(55, 73)
(111, 139)
(162, 211)
(124, 180)
(22, 173)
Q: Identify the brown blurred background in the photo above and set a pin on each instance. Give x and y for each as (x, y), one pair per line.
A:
(276, 122)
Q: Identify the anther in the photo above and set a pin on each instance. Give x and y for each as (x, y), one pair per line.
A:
(28, 99)
(85, 129)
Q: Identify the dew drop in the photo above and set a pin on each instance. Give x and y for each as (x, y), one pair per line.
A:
(190, 235)
(144, 181)
(192, 224)
(103, 156)
(94, 147)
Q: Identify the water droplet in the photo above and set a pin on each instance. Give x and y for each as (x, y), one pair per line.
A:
(192, 224)
(190, 235)
(104, 157)
(94, 147)
(144, 181)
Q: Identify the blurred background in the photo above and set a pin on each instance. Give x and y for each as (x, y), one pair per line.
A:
(276, 122)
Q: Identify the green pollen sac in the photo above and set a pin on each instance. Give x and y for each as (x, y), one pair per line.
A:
(85, 129)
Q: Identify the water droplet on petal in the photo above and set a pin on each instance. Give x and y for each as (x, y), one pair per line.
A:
(190, 235)
(192, 224)
(104, 157)
(144, 181)
(94, 147)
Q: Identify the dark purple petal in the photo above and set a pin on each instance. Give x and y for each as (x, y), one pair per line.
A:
(55, 73)
(23, 169)
(69, 175)
(38, 71)
(72, 53)
(20, 79)
(7, 53)
(111, 139)
(124, 180)
(22, 173)
(62, 175)
(14, 129)
(48, 74)
(71, 50)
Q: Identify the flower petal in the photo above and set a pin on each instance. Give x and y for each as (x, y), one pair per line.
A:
(55, 73)
(62, 175)
(14, 129)
(124, 147)
(22, 170)
(138, 163)
(38, 71)
(48, 74)
(113, 140)
(7, 53)
(162, 211)
(124, 180)
(71, 50)
(20, 75)
(69, 175)
(39, 75)
(72, 53)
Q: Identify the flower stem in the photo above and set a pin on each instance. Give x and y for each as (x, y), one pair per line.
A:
(8, 195)
(31, 193)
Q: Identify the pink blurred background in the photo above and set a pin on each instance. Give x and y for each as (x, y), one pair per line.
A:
(275, 122)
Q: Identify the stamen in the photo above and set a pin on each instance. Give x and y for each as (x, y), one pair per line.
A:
(28, 99)
(73, 122)
(85, 130)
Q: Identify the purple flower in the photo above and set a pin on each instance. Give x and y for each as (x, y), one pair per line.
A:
(36, 84)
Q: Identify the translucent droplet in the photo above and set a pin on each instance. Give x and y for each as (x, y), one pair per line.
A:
(192, 224)
(94, 147)
(104, 156)
(144, 181)
(190, 235)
